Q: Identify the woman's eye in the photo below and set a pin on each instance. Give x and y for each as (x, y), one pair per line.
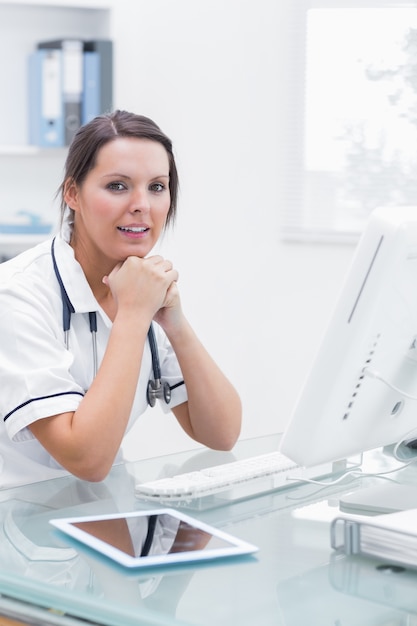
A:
(116, 186)
(157, 187)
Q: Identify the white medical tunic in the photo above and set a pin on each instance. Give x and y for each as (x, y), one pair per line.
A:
(39, 376)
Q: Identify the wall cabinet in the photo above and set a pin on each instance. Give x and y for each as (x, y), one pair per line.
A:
(30, 176)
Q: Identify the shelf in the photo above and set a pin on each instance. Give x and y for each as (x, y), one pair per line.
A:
(10, 245)
(78, 4)
(18, 150)
(22, 150)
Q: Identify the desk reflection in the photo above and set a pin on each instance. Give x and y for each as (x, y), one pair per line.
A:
(32, 549)
(349, 591)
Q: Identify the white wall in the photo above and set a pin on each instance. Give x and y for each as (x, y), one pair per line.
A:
(215, 76)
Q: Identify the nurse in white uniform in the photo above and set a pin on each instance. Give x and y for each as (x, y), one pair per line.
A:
(76, 365)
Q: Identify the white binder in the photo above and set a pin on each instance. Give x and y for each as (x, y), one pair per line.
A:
(72, 82)
(391, 537)
(46, 128)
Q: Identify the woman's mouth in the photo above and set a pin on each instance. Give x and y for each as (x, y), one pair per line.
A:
(133, 230)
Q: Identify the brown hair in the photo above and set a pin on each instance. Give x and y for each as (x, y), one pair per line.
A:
(88, 140)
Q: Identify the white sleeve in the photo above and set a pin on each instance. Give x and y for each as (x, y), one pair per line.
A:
(34, 362)
(170, 371)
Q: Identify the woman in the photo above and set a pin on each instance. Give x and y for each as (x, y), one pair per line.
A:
(62, 405)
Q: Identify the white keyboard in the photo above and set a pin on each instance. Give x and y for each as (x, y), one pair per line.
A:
(219, 478)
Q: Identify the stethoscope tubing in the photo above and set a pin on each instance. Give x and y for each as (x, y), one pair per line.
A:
(156, 387)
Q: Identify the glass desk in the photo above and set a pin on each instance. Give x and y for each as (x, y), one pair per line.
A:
(294, 579)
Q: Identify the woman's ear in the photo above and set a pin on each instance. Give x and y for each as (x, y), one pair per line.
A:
(71, 194)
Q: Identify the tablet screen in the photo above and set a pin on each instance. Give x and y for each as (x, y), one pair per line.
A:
(152, 537)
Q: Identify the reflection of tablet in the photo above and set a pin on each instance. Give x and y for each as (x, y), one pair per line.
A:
(157, 537)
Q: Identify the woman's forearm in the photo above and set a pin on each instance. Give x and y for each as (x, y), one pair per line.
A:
(86, 441)
(213, 413)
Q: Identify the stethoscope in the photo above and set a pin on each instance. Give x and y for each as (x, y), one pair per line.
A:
(157, 388)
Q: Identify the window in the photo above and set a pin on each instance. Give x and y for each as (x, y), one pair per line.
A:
(359, 143)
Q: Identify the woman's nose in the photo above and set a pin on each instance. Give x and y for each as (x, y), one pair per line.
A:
(140, 201)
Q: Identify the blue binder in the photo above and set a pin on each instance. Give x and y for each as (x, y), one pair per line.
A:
(46, 122)
(104, 48)
(91, 87)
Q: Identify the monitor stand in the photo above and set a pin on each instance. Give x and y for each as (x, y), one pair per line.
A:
(387, 497)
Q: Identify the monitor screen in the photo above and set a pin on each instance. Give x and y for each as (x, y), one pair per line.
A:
(361, 392)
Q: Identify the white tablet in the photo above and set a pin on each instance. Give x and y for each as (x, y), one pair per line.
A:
(155, 537)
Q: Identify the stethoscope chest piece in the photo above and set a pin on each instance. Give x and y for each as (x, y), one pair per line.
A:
(156, 390)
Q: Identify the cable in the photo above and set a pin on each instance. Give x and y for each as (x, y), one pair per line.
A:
(322, 483)
(408, 436)
(355, 473)
(412, 433)
(374, 374)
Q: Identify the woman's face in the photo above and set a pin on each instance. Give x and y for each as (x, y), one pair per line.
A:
(121, 207)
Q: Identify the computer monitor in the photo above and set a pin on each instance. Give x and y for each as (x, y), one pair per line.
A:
(361, 392)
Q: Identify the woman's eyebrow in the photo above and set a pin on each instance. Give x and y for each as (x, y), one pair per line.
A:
(119, 175)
